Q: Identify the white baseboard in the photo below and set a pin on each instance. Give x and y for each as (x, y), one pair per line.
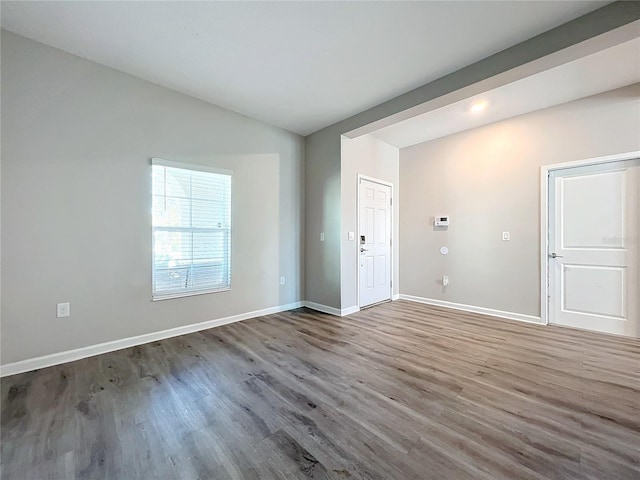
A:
(350, 310)
(77, 354)
(395, 297)
(322, 308)
(331, 310)
(470, 308)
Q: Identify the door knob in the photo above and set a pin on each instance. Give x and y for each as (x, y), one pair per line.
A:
(555, 255)
(362, 250)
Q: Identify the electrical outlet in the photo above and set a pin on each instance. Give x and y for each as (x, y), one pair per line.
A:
(506, 236)
(281, 280)
(63, 310)
(445, 280)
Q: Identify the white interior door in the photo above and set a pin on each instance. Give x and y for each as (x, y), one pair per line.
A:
(593, 247)
(374, 242)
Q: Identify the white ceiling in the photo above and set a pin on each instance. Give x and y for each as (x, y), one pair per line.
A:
(297, 65)
(606, 70)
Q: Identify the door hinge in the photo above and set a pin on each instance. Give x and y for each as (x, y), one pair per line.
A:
(391, 201)
(391, 283)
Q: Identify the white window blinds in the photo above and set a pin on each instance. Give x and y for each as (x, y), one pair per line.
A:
(191, 230)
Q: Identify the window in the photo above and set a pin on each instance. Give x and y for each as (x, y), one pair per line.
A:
(191, 229)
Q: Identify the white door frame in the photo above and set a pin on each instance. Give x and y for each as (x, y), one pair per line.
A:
(545, 171)
(357, 246)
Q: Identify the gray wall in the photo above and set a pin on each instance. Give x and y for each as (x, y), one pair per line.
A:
(77, 142)
(322, 207)
(372, 157)
(322, 159)
(488, 180)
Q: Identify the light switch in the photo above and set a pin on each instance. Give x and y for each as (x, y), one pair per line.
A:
(506, 236)
(322, 236)
(352, 236)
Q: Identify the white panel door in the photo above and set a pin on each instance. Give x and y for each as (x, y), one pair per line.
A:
(593, 247)
(374, 245)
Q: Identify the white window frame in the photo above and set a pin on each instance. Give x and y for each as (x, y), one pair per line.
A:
(200, 168)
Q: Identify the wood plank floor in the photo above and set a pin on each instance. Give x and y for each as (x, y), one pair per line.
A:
(398, 391)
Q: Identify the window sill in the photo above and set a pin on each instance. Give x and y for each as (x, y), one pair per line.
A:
(188, 294)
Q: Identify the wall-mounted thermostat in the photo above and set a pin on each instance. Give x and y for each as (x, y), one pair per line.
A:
(441, 221)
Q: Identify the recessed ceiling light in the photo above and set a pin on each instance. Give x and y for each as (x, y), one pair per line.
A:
(478, 107)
